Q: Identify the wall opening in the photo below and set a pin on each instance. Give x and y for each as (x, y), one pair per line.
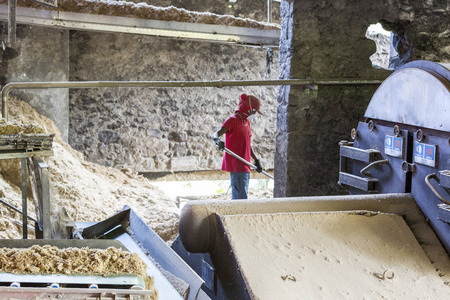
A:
(382, 38)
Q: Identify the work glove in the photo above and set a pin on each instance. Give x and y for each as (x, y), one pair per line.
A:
(259, 168)
(219, 143)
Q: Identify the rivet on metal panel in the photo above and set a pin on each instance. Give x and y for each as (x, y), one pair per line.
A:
(407, 167)
(354, 134)
(371, 126)
(419, 135)
(396, 130)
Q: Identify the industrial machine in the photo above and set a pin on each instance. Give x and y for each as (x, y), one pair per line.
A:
(397, 169)
(404, 144)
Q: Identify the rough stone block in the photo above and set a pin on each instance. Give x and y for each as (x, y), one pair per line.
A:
(108, 137)
(187, 163)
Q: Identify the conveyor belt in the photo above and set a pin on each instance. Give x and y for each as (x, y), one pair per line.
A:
(162, 285)
(127, 228)
(73, 293)
(223, 263)
(73, 286)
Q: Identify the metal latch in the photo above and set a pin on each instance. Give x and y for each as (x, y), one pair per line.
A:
(408, 168)
(370, 156)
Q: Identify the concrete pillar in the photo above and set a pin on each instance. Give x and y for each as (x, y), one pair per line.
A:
(320, 40)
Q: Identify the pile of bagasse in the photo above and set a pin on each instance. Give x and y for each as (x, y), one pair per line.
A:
(87, 192)
(14, 127)
(44, 260)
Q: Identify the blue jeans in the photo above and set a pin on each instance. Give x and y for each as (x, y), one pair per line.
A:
(239, 185)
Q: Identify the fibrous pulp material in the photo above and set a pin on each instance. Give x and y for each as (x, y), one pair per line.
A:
(332, 256)
(87, 191)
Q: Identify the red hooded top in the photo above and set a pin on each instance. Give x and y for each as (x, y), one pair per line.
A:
(238, 137)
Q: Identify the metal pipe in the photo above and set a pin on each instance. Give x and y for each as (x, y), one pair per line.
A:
(364, 171)
(16, 209)
(183, 84)
(269, 11)
(24, 197)
(20, 224)
(433, 189)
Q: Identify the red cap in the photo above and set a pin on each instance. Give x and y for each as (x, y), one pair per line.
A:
(251, 102)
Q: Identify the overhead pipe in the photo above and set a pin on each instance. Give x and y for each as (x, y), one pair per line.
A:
(183, 84)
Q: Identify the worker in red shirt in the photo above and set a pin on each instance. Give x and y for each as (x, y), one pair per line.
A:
(238, 140)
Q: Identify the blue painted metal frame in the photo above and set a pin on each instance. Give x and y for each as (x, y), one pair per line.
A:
(400, 91)
(424, 196)
(390, 177)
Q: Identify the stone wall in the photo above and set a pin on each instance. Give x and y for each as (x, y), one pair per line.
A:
(39, 54)
(326, 39)
(158, 129)
(164, 129)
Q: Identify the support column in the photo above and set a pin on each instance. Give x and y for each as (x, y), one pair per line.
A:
(320, 40)
(40, 54)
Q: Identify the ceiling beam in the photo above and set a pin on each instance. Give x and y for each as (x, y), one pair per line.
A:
(102, 23)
